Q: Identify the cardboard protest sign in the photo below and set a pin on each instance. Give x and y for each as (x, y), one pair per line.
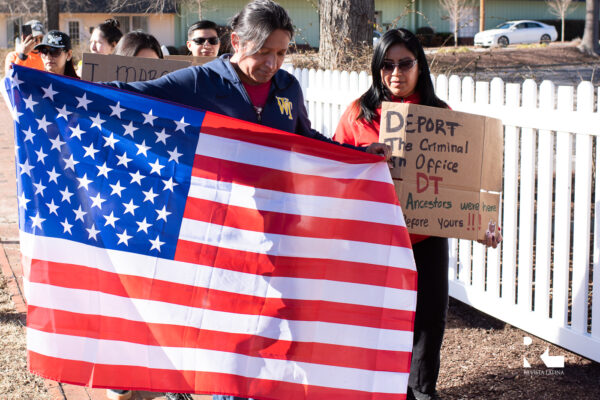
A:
(106, 68)
(194, 60)
(447, 168)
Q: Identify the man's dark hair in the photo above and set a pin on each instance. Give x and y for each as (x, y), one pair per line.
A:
(204, 24)
(257, 20)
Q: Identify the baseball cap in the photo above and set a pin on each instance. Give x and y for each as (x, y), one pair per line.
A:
(37, 28)
(55, 39)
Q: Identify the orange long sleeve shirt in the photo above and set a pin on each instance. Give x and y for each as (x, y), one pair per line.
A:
(33, 60)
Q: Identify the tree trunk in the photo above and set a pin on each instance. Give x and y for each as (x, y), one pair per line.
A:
(456, 32)
(562, 28)
(51, 11)
(481, 15)
(346, 29)
(200, 9)
(589, 43)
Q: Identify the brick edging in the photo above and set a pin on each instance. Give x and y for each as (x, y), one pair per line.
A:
(14, 290)
(16, 294)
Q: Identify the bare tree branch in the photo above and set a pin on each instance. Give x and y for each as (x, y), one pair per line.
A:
(144, 6)
(457, 11)
(21, 7)
(561, 8)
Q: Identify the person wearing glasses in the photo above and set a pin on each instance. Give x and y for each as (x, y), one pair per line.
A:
(24, 53)
(401, 74)
(57, 53)
(203, 39)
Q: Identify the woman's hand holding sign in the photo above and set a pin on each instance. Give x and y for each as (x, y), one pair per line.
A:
(493, 237)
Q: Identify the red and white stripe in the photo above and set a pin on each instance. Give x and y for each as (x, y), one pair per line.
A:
(293, 279)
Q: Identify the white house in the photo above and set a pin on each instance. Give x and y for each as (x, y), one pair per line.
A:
(79, 18)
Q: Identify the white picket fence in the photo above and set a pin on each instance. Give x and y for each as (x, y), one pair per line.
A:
(545, 277)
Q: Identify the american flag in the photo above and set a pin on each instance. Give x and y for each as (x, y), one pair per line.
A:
(172, 249)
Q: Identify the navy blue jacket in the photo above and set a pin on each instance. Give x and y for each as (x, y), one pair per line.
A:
(216, 87)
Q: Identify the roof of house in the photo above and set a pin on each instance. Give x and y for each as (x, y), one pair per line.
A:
(97, 6)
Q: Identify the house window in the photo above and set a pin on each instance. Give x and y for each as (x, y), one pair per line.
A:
(13, 30)
(124, 23)
(74, 32)
(378, 18)
(133, 23)
(139, 23)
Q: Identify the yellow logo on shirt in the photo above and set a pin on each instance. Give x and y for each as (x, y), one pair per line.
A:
(285, 106)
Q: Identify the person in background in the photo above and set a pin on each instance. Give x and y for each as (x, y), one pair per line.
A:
(57, 54)
(138, 44)
(105, 37)
(401, 74)
(24, 53)
(203, 39)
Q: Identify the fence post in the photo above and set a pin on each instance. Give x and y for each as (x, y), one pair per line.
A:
(526, 201)
(454, 86)
(312, 108)
(511, 176)
(336, 107)
(327, 106)
(441, 87)
(454, 100)
(596, 258)
(464, 246)
(304, 85)
(581, 214)
(482, 98)
(317, 88)
(363, 82)
(543, 237)
(562, 214)
(493, 255)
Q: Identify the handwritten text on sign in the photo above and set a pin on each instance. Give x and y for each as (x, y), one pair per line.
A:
(106, 68)
(444, 165)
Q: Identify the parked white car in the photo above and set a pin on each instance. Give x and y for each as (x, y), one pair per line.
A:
(512, 32)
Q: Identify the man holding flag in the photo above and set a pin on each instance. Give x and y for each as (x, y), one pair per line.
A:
(172, 249)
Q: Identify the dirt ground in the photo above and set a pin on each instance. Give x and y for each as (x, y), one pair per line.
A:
(15, 381)
(482, 358)
(561, 63)
(469, 59)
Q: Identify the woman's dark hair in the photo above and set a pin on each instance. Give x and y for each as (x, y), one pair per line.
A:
(377, 93)
(70, 69)
(204, 24)
(258, 20)
(59, 40)
(133, 42)
(110, 31)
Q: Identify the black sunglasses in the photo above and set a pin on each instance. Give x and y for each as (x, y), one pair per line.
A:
(404, 65)
(51, 51)
(211, 40)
